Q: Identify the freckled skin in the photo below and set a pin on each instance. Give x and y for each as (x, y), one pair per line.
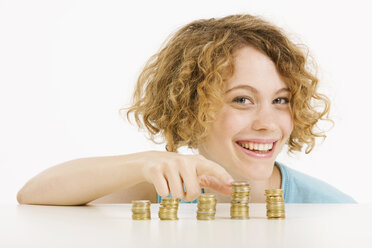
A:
(254, 115)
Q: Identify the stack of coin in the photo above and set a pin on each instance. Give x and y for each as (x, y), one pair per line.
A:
(275, 203)
(168, 209)
(240, 199)
(141, 210)
(206, 207)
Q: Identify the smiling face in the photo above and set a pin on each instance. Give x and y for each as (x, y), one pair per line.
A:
(256, 116)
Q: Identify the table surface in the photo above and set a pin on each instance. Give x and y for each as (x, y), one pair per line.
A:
(111, 225)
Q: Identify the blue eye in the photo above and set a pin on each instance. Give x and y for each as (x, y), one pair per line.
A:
(242, 100)
(282, 100)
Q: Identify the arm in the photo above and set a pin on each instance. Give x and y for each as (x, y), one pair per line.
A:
(80, 181)
(83, 180)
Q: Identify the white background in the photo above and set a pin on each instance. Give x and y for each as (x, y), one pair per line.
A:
(66, 67)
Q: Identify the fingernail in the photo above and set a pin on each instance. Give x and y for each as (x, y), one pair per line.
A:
(230, 180)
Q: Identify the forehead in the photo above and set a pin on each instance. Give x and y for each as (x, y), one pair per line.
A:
(255, 69)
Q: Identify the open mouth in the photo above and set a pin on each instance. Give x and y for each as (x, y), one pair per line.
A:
(257, 147)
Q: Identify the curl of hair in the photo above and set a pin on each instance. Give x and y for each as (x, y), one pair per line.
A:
(180, 90)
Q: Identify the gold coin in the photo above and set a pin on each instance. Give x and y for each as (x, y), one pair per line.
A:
(207, 195)
(234, 212)
(169, 206)
(207, 204)
(205, 216)
(170, 200)
(274, 192)
(274, 208)
(280, 217)
(140, 211)
(240, 183)
(276, 216)
(164, 217)
(240, 203)
(141, 217)
(275, 203)
(168, 211)
(240, 195)
(141, 202)
(141, 214)
(240, 217)
(275, 199)
(241, 190)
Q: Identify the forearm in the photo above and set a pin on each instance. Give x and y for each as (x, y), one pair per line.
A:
(82, 180)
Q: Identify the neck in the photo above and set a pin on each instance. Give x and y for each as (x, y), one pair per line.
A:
(257, 188)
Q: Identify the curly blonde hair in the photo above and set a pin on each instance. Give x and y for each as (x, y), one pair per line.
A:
(180, 89)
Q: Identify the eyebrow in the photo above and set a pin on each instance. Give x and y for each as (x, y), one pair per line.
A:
(254, 90)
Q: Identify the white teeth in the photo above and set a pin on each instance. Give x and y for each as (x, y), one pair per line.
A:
(255, 146)
(250, 146)
(261, 147)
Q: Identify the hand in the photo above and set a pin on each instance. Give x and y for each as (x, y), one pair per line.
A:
(170, 172)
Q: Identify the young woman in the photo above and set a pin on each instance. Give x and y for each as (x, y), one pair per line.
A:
(234, 88)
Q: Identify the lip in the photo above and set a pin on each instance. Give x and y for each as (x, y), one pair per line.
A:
(258, 155)
(258, 141)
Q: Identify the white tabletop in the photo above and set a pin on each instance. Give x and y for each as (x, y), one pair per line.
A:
(111, 225)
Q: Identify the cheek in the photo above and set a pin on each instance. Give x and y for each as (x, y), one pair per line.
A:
(218, 142)
(286, 123)
(227, 124)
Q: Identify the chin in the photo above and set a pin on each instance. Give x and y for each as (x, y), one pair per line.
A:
(257, 172)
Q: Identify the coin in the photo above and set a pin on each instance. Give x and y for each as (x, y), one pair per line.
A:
(168, 209)
(206, 207)
(240, 199)
(141, 210)
(275, 206)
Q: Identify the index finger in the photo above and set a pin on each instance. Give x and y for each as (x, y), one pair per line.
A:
(210, 168)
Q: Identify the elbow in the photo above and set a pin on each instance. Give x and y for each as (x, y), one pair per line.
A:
(20, 197)
(23, 196)
(27, 197)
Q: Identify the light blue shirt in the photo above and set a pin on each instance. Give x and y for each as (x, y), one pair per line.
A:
(301, 188)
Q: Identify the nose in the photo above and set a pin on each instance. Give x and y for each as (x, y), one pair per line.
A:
(264, 118)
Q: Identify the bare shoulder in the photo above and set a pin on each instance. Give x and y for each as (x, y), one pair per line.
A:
(141, 191)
